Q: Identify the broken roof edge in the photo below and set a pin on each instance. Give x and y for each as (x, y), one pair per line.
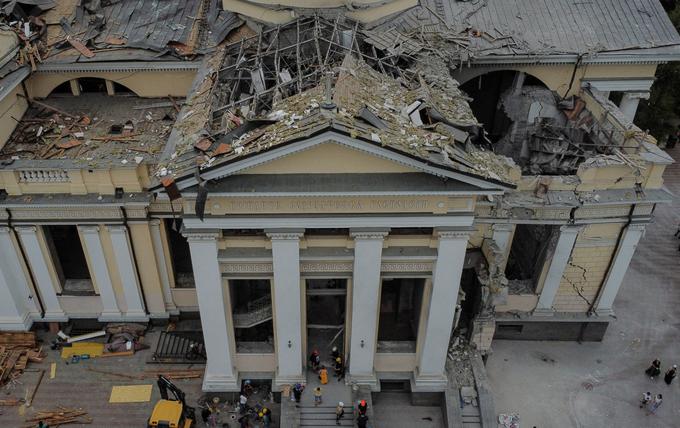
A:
(655, 55)
(329, 133)
(12, 80)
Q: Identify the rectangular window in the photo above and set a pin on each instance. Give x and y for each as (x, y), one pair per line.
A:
(68, 257)
(180, 254)
(251, 311)
(401, 301)
(529, 251)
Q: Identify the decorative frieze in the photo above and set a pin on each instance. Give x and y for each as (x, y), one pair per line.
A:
(66, 213)
(323, 267)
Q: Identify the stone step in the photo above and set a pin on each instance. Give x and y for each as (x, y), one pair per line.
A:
(328, 423)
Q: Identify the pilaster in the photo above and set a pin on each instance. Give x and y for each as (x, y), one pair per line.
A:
(558, 264)
(100, 272)
(624, 254)
(163, 268)
(430, 374)
(287, 296)
(39, 264)
(368, 244)
(17, 306)
(128, 274)
(220, 374)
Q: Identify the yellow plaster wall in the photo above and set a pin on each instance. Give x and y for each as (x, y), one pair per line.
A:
(519, 302)
(587, 268)
(385, 362)
(82, 181)
(81, 306)
(147, 266)
(12, 106)
(255, 362)
(185, 299)
(329, 158)
(142, 83)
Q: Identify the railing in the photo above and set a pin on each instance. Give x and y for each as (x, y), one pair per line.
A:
(43, 176)
(257, 312)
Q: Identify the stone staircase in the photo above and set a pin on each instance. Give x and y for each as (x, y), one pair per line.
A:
(324, 416)
(471, 416)
(257, 312)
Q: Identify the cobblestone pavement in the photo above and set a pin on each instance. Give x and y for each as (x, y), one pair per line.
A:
(598, 384)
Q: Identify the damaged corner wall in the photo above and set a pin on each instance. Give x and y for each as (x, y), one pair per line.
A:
(587, 267)
(12, 107)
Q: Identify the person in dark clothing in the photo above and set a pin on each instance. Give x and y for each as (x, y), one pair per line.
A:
(362, 407)
(335, 353)
(315, 360)
(362, 420)
(297, 392)
(670, 374)
(339, 369)
(654, 370)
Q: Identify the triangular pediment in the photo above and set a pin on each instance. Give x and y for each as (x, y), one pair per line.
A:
(332, 153)
(329, 158)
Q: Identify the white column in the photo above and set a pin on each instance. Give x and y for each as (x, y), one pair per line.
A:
(287, 307)
(38, 263)
(430, 373)
(630, 102)
(17, 303)
(624, 254)
(501, 236)
(558, 263)
(128, 275)
(365, 304)
(100, 273)
(219, 374)
(163, 269)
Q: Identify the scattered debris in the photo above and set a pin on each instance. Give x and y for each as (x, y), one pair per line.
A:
(59, 416)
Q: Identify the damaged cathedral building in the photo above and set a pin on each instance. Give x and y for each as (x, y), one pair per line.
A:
(386, 177)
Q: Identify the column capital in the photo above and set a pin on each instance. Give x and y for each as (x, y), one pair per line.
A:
(26, 229)
(638, 227)
(201, 236)
(285, 234)
(89, 228)
(365, 234)
(154, 222)
(572, 228)
(502, 227)
(116, 228)
(453, 234)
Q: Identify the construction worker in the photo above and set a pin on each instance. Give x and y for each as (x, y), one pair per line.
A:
(297, 391)
(266, 416)
(362, 407)
(323, 375)
(334, 353)
(339, 412)
(362, 420)
(315, 360)
(339, 368)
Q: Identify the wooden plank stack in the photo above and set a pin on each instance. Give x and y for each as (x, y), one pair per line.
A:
(174, 373)
(17, 349)
(58, 417)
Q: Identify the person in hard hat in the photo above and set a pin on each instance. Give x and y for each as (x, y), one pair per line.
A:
(247, 389)
(266, 416)
(339, 412)
(315, 359)
(339, 368)
(362, 407)
(323, 375)
(335, 353)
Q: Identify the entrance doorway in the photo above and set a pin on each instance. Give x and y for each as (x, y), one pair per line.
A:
(326, 309)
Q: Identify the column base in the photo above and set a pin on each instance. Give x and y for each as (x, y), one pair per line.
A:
(429, 382)
(59, 316)
(281, 380)
(16, 323)
(159, 315)
(111, 317)
(172, 310)
(543, 312)
(369, 380)
(220, 383)
(136, 317)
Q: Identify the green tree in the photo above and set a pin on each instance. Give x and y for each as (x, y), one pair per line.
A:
(661, 113)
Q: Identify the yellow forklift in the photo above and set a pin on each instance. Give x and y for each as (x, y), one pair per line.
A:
(174, 412)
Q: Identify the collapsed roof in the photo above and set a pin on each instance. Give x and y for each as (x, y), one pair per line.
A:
(314, 76)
